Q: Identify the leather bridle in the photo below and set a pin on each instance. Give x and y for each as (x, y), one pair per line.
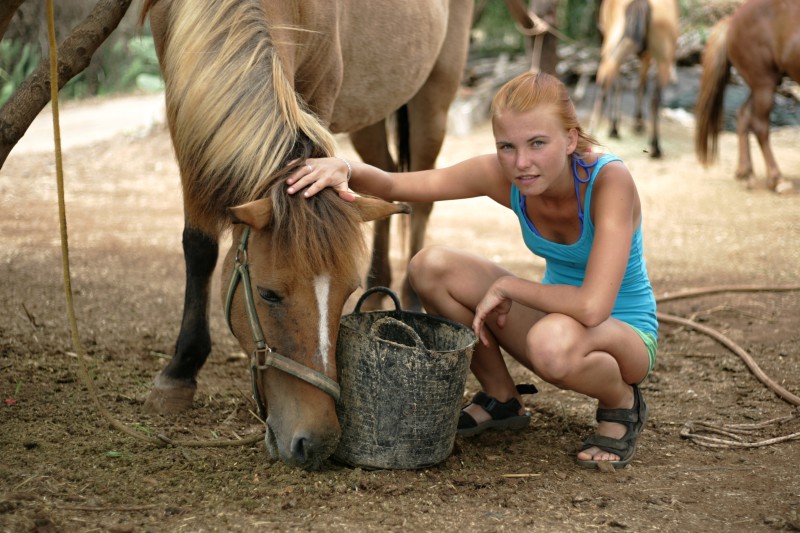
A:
(263, 356)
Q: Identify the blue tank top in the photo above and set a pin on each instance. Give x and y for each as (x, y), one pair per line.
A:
(565, 264)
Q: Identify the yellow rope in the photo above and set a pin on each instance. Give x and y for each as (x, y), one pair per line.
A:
(62, 217)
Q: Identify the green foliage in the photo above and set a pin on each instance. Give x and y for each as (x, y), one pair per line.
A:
(495, 32)
(17, 61)
(579, 20)
(120, 65)
(117, 68)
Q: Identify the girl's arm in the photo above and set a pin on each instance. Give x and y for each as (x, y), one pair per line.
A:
(478, 176)
(616, 215)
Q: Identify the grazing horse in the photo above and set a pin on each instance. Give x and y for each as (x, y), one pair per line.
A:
(648, 29)
(761, 40)
(253, 88)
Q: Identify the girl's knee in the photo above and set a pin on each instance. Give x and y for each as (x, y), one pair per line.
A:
(428, 264)
(550, 348)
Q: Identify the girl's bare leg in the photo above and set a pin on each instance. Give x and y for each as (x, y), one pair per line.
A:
(600, 362)
(450, 283)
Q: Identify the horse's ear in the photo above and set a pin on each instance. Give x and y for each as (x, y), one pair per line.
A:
(375, 208)
(256, 214)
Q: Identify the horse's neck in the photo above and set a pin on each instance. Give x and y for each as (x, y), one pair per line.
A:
(299, 30)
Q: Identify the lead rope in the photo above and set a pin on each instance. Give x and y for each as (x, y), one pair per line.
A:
(734, 435)
(159, 440)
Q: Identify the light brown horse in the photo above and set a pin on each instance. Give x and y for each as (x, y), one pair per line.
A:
(761, 40)
(253, 88)
(649, 30)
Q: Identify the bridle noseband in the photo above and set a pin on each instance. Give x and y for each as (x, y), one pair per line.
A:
(263, 357)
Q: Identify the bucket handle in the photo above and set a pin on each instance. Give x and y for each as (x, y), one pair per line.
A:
(373, 290)
(394, 323)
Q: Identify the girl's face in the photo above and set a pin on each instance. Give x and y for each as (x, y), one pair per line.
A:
(533, 149)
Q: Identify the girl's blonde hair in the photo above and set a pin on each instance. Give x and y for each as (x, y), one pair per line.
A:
(533, 89)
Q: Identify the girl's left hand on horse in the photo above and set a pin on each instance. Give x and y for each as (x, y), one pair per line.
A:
(316, 174)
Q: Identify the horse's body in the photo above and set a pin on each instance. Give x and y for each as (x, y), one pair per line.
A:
(252, 85)
(761, 40)
(648, 29)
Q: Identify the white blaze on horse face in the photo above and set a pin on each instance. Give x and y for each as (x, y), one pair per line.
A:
(322, 286)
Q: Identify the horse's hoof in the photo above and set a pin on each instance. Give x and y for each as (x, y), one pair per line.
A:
(783, 186)
(169, 400)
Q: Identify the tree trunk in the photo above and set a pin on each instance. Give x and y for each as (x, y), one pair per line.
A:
(548, 52)
(544, 54)
(74, 55)
(7, 10)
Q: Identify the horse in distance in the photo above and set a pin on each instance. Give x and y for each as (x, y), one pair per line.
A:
(761, 41)
(647, 29)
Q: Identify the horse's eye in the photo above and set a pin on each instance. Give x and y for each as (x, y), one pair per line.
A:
(269, 295)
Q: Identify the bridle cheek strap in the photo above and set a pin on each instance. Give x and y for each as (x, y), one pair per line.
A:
(263, 357)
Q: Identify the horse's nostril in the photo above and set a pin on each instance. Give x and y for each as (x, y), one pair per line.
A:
(300, 449)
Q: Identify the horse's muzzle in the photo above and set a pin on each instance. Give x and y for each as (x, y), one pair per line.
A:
(304, 450)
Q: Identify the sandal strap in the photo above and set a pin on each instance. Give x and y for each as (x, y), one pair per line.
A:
(607, 444)
(466, 421)
(625, 416)
(499, 410)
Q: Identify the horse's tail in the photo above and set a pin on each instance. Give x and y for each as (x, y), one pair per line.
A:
(403, 131)
(233, 113)
(708, 110)
(637, 24)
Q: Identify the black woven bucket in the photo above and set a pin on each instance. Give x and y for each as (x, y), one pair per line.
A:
(402, 376)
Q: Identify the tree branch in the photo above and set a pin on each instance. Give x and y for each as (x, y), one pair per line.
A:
(74, 55)
(7, 10)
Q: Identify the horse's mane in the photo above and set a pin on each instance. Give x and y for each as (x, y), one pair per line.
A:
(319, 234)
(236, 122)
(234, 117)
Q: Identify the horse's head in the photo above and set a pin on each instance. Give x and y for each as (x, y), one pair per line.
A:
(292, 265)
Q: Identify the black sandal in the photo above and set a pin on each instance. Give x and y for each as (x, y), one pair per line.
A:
(635, 418)
(503, 414)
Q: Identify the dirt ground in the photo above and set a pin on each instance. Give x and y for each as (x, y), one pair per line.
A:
(64, 469)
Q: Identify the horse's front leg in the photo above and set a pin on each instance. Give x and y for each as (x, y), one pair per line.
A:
(175, 386)
(744, 167)
(655, 112)
(644, 70)
(615, 108)
(763, 99)
(597, 108)
(372, 144)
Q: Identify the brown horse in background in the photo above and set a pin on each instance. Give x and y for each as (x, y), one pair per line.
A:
(253, 88)
(761, 40)
(649, 30)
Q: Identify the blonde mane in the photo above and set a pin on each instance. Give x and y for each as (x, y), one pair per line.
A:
(234, 117)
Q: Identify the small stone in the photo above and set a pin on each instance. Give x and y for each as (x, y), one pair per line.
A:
(606, 466)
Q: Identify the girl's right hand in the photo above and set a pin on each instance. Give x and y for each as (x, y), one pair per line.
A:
(317, 174)
(492, 303)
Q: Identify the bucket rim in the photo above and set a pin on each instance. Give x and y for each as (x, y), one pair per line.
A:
(399, 309)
